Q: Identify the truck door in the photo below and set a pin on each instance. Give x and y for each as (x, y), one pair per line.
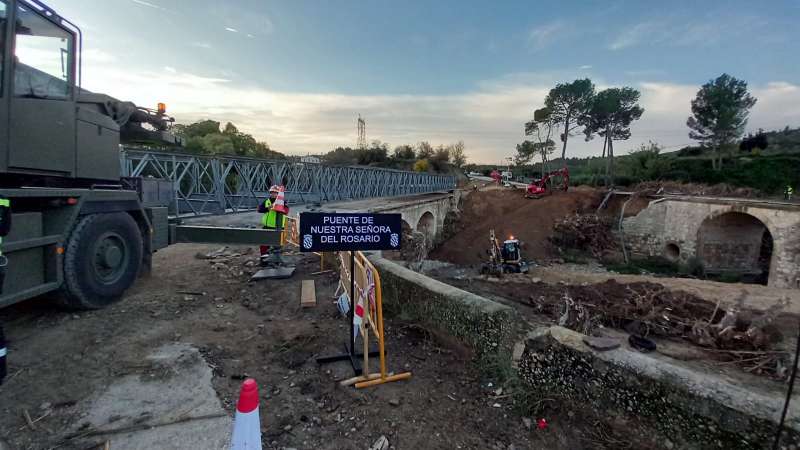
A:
(42, 104)
(3, 86)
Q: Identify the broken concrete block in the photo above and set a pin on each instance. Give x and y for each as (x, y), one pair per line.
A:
(601, 344)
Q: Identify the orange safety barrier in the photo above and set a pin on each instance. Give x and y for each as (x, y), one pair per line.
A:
(368, 291)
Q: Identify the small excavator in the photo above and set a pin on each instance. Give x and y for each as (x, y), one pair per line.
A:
(538, 188)
(506, 258)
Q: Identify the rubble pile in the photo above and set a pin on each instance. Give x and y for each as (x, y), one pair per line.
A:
(589, 233)
(734, 336)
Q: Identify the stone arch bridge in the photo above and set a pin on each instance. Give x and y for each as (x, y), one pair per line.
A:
(741, 236)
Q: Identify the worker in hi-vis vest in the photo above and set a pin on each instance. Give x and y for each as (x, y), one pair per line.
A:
(269, 219)
(5, 228)
(788, 192)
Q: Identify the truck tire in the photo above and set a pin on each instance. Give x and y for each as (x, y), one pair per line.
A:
(102, 259)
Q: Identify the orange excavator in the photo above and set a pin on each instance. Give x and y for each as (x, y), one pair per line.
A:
(540, 187)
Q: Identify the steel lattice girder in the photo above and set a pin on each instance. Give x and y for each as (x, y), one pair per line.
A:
(220, 184)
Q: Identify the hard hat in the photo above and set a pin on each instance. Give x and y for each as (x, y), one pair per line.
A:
(274, 188)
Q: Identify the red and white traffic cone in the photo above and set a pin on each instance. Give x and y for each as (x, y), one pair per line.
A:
(247, 424)
(280, 201)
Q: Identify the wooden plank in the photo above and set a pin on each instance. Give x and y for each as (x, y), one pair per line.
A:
(308, 294)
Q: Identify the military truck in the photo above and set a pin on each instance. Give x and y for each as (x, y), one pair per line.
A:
(78, 229)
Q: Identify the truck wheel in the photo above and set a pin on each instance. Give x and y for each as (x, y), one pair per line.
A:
(101, 260)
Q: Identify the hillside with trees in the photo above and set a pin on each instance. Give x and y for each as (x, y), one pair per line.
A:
(766, 161)
(206, 138)
(422, 157)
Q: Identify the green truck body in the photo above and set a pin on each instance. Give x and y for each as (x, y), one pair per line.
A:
(78, 230)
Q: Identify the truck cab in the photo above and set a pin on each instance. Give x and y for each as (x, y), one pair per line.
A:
(52, 129)
(75, 229)
(78, 229)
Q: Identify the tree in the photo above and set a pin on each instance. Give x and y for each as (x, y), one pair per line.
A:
(376, 153)
(526, 150)
(442, 154)
(424, 150)
(201, 128)
(440, 159)
(230, 129)
(457, 154)
(646, 162)
(341, 156)
(719, 115)
(205, 138)
(567, 102)
(610, 115)
(754, 141)
(404, 152)
(421, 165)
(217, 144)
(541, 128)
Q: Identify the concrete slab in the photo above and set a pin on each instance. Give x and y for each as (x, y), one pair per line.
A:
(175, 384)
(277, 273)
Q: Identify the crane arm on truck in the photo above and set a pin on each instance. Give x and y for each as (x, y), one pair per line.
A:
(80, 230)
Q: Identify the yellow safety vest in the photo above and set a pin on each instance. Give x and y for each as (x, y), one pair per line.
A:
(270, 218)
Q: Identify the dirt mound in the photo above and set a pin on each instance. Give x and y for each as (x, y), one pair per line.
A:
(510, 213)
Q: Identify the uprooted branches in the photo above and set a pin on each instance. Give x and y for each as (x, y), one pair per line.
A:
(585, 232)
(733, 336)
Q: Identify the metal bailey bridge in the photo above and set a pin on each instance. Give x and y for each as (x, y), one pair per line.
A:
(203, 185)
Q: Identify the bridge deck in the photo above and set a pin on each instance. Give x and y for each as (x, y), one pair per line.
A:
(252, 218)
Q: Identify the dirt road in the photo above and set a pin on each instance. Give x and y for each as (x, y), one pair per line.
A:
(59, 359)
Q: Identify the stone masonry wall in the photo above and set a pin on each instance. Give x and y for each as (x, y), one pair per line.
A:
(688, 408)
(731, 242)
(678, 222)
(486, 327)
(694, 411)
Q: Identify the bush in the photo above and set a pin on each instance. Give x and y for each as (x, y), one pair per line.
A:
(421, 165)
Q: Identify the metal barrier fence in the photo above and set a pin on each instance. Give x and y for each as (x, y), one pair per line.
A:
(219, 184)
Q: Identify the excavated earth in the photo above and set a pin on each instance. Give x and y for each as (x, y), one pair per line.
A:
(508, 212)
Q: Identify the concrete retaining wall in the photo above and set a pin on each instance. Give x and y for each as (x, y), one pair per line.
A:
(694, 410)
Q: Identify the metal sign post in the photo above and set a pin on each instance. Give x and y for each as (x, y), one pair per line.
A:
(351, 232)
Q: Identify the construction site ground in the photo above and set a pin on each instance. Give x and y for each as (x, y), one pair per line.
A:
(509, 213)
(70, 371)
(66, 368)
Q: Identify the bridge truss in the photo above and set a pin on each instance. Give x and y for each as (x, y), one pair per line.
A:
(218, 185)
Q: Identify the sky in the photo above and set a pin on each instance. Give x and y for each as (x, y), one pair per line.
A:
(297, 74)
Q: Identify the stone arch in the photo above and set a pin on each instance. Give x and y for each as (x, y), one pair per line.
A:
(734, 241)
(427, 225)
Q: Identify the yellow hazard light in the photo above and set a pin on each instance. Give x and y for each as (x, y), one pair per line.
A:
(162, 108)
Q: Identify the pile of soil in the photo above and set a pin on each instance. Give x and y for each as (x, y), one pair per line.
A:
(508, 212)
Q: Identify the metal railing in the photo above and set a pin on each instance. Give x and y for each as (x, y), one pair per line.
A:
(220, 184)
